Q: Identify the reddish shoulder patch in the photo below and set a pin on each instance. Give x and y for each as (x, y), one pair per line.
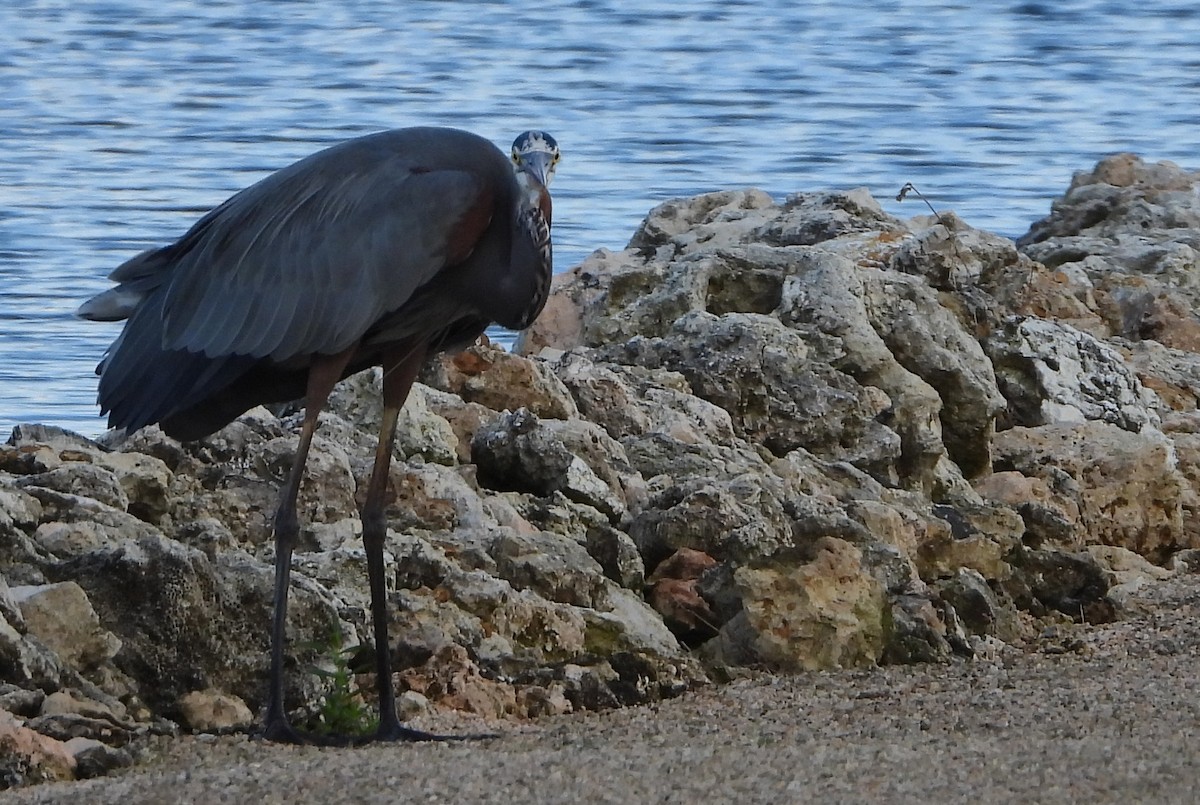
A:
(469, 228)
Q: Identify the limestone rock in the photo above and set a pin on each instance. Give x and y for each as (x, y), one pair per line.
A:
(806, 394)
(26, 661)
(27, 757)
(186, 623)
(213, 710)
(825, 614)
(917, 632)
(1074, 584)
(62, 618)
(419, 429)
(83, 479)
(519, 452)
(557, 568)
(673, 589)
(977, 605)
(502, 381)
(759, 372)
(1052, 373)
(1125, 485)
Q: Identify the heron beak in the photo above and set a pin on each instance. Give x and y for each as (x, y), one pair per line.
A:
(538, 164)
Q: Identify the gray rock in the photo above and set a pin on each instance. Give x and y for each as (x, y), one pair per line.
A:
(521, 453)
(759, 372)
(20, 701)
(917, 633)
(557, 568)
(94, 758)
(1052, 373)
(62, 618)
(85, 480)
(186, 623)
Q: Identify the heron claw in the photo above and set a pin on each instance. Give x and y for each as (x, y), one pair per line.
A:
(280, 731)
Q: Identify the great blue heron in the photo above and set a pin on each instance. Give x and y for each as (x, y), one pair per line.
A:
(379, 251)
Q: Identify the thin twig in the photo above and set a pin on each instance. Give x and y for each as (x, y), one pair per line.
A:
(909, 187)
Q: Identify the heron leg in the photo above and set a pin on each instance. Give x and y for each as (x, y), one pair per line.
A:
(323, 375)
(400, 370)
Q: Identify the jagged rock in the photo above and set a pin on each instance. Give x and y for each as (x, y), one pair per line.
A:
(1172, 374)
(602, 395)
(557, 568)
(28, 757)
(617, 554)
(825, 614)
(20, 701)
(1130, 227)
(976, 537)
(976, 605)
(55, 439)
(18, 510)
(1184, 432)
(916, 633)
(420, 431)
(682, 223)
(429, 496)
(502, 381)
(450, 678)
(735, 518)
(207, 534)
(214, 710)
(65, 726)
(28, 459)
(1052, 373)
(65, 507)
(24, 660)
(1048, 517)
(759, 372)
(186, 623)
(62, 618)
(930, 342)
(1122, 193)
(71, 702)
(838, 312)
(146, 481)
(797, 390)
(521, 453)
(1125, 485)
(663, 456)
(10, 609)
(83, 479)
(95, 759)
(673, 589)
(1073, 584)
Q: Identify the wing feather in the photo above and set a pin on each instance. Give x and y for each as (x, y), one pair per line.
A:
(360, 227)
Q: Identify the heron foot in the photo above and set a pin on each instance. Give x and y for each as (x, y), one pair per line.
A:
(280, 730)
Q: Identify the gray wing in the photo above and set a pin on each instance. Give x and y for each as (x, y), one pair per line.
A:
(309, 258)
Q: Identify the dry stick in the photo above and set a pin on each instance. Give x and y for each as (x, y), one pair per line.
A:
(909, 187)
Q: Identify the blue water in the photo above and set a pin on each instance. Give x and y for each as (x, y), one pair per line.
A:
(123, 121)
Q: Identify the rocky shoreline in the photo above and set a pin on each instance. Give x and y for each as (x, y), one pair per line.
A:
(776, 436)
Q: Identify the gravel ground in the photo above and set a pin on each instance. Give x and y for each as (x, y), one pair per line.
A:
(1084, 714)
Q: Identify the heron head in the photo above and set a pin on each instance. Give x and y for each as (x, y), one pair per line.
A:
(535, 153)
